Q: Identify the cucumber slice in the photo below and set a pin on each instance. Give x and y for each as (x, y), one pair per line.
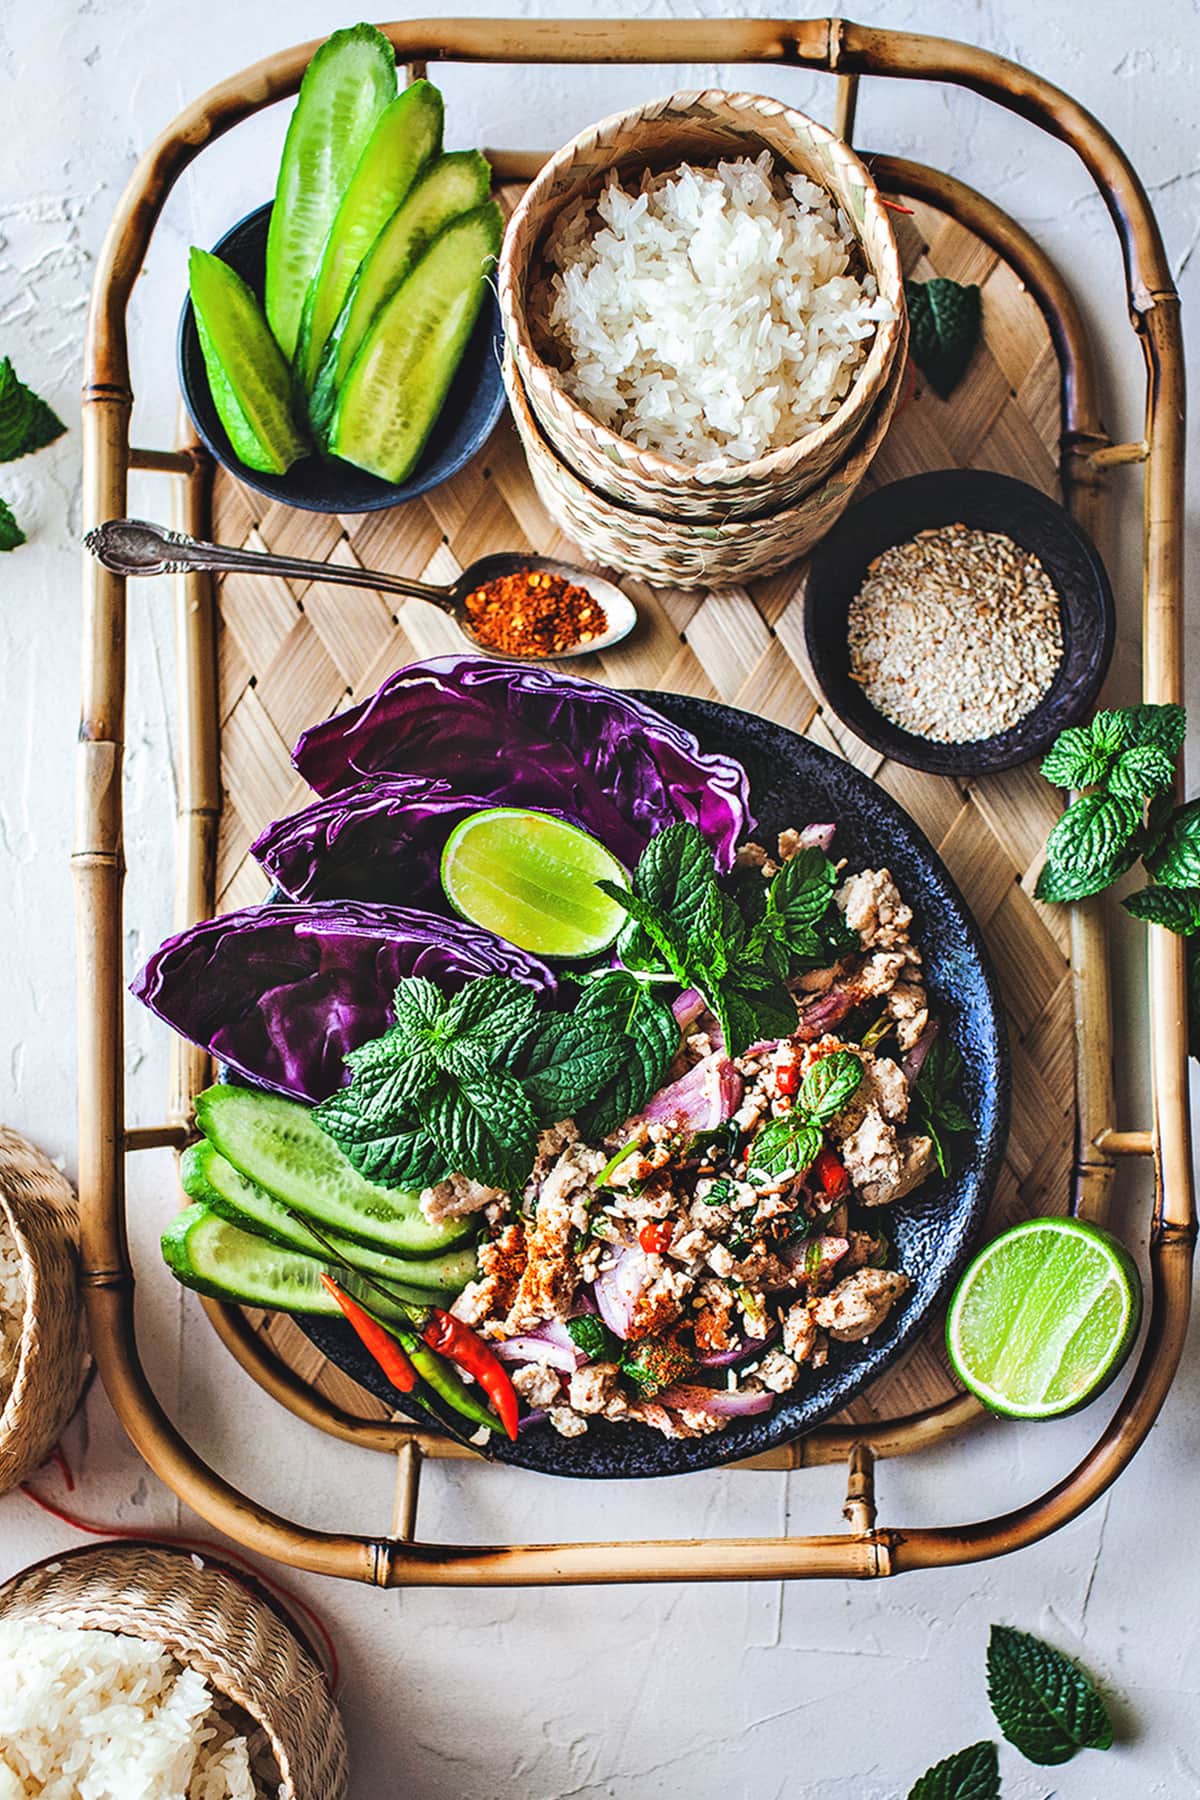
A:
(246, 370)
(346, 86)
(205, 1252)
(278, 1144)
(407, 134)
(207, 1176)
(399, 380)
(452, 186)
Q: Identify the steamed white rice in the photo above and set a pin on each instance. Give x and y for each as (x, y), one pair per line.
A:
(89, 1715)
(712, 314)
(12, 1312)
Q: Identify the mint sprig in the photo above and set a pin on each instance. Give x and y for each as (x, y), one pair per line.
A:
(790, 1144)
(944, 319)
(970, 1774)
(26, 422)
(933, 1099)
(11, 535)
(1044, 1704)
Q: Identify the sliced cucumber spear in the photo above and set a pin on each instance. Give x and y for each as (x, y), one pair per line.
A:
(247, 374)
(208, 1177)
(346, 86)
(205, 1252)
(277, 1144)
(453, 185)
(399, 380)
(406, 135)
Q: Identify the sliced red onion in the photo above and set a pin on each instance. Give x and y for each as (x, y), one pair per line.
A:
(528, 1420)
(532, 1349)
(822, 1014)
(617, 1290)
(719, 1401)
(688, 1007)
(818, 837)
(830, 1251)
(914, 1061)
(704, 1098)
(723, 1359)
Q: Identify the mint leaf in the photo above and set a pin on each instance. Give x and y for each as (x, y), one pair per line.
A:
(389, 1077)
(668, 938)
(418, 1006)
(1044, 1704)
(1176, 862)
(970, 1774)
(933, 1105)
(803, 888)
(1176, 908)
(674, 871)
(1074, 761)
(943, 321)
(26, 422)
(649, 1037)
(11, 534)
(830, 1084)
(394, 1154)
(569, 1062)
(1094, 842)
(1165, 726)
(1142, 770)
(591, 1335)
(485, 1128)
(785, 1146)
(493, 1012)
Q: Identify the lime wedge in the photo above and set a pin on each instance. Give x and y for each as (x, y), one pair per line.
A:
(1044, 1317)
(532, 879)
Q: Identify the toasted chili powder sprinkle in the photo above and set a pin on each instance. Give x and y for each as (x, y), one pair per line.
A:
(534, 613)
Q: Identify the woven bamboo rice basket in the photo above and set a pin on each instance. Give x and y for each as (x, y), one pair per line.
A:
(39, 1213)
(214, 1622)
(672, 552)
(700, 128)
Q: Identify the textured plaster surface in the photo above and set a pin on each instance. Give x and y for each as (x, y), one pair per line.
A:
(812, 1692)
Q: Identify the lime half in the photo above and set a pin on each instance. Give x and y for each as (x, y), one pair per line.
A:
(1044, 1317)
(531, 878)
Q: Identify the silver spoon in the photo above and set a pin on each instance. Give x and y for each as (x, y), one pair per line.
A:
(135, 547)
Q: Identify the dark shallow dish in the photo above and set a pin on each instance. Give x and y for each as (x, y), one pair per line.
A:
(470, 415)
(987, 502)
(792, 780)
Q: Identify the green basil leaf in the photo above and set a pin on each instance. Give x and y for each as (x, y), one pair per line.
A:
(1093, 843)
(787, 1145)
(1073, 760)
(1176, 862)
(1044, 1704)
(568, 1062)
(11, 534)
(830, 1085)
(943, 320)
(1176, 908)
(1141, 771)
(970, 1774)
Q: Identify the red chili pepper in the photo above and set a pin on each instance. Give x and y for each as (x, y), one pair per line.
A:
(830, 1174)
(895, 205)
(380, 1344)
(787, 1080)
(448, 1335)
(655, 1236)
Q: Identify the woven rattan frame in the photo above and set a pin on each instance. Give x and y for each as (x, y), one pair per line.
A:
(212, 1621)
(39, 1212)
(849, 51)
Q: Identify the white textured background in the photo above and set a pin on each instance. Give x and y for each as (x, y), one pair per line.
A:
(813, 1692)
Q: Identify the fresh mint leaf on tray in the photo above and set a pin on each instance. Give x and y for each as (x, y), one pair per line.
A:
(944, 320)
(970, 1774)
(1044, 1704)
(26, 422)
(11, 535)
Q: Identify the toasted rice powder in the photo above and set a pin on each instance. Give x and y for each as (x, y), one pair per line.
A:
(93, 1715)
(712, 314)
(12, 1316)
(955, 635)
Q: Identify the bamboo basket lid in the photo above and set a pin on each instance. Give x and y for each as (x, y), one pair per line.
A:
(701, 128)
(38, 1212)
(212, 1622)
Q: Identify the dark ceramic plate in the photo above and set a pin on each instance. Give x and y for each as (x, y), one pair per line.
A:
(987, 502)
(792, 780)
(470, 415)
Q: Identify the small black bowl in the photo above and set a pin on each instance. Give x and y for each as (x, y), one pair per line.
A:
(316, 484)
(986, 502)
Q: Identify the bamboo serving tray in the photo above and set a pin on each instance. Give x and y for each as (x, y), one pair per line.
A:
(260, 659)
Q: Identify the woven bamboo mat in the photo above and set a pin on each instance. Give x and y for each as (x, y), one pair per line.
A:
(291, 653)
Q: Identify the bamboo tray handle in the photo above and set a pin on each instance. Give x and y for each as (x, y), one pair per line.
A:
(848, 51)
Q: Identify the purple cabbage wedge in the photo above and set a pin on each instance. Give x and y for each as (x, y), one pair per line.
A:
(281, 993)
(524, 736)
(381, 839)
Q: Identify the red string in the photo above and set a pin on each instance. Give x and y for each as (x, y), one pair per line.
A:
(895, 205)
(197, 1545)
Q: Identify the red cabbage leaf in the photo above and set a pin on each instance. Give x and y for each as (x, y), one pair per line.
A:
(526, 736)
(281, 993)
